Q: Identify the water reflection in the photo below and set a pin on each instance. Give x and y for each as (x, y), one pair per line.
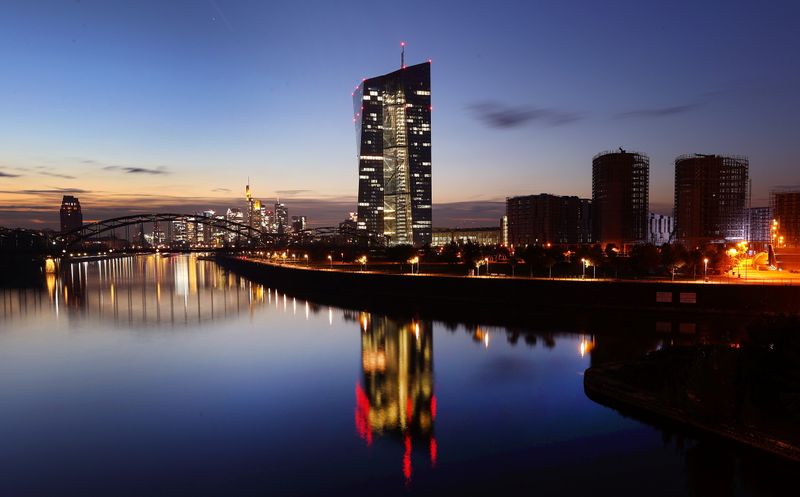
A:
(139, 291)
(299, 398)
(395, 396)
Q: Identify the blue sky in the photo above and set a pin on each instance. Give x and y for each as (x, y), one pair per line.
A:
(159, 103)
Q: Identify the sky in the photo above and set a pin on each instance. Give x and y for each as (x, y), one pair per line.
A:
(154, 106)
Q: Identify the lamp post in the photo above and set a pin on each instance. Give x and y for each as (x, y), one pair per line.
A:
(583, 267)
(486, 260)
(305, 256)
(330, 260)
(705, 269)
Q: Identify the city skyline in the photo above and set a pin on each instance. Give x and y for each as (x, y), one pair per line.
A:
(112, 104)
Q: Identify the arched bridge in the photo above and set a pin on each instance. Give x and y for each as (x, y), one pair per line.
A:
(238, 231)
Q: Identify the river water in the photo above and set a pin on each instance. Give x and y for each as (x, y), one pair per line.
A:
(158, 375)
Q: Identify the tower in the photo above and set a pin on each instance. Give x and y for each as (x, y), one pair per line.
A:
(392, 114)
(620, 197)
(71, 216)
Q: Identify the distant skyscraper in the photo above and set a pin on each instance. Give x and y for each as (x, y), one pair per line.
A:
(786, 211)
(71, 216)
(298, 223)
(281, 218)
(393, 126)
(544, 218)
(620, 197)
(710, 198)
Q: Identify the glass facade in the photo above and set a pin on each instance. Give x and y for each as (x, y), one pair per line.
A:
(392, 114)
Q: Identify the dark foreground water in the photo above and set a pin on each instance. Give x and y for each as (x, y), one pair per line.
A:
(167, 376)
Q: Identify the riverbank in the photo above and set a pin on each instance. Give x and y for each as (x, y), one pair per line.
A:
(522, 295)
(704, 391)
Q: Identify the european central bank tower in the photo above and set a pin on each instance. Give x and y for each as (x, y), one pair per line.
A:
(393, 132)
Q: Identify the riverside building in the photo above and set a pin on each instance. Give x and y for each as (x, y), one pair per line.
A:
(392, 114)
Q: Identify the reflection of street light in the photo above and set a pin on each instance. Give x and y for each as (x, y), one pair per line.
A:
(705, 269)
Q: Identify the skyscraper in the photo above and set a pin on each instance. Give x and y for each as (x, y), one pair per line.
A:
(393, 126)
(710, 198)
(620, 197)
(281, 217)
(71, 216)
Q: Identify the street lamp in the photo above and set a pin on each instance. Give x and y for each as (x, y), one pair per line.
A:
(363, 261)
(412, 261)
(583, 267)
(486, 260)
(305, 256)
(330, 260)
(705, 269)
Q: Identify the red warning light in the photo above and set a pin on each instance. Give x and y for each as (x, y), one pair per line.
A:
(402, 43)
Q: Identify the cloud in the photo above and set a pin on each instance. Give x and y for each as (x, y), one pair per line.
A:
(137, 170)
(56, 175)
(291, 192)
(8, 175)
(468, 214)
(497, 115)
(224, 190)
(45, 192)
(656, 112)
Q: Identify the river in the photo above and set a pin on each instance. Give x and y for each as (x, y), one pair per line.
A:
(155, 375)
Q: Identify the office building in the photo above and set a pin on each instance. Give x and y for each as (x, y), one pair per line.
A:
(786, 211)
(393, 126)
(620, 197)
(759, 225)
(659, 229)
(281, 218)
(298, 223)
(544, 218)
(71, 216)
(481, 236)
(710, 198)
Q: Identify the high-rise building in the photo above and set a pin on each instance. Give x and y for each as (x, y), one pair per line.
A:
(234, 215)
(620, 197)
(281, 218)
(786, 211)
(660, 229)
(544, 218)
(710, 198)
(298, 223)
(393, 126)
(759, 224)
(71, 216)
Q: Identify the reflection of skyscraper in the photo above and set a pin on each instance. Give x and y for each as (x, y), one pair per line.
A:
(393, 126)
(396, 397)
(71, 216)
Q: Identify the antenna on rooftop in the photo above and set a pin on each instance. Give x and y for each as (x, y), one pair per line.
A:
(402, 55)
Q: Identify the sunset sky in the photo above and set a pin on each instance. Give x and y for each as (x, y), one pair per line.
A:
(171, 105)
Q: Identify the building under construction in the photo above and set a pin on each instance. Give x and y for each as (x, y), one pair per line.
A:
(620, 197)
(786, 212)
(711, 194)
